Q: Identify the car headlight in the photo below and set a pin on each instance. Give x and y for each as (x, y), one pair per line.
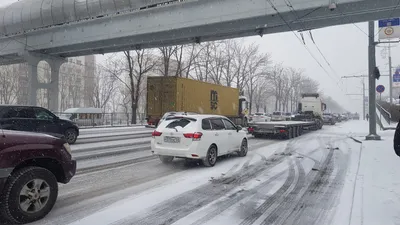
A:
(68, 148)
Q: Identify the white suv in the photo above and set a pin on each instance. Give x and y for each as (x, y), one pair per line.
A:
(203, 137)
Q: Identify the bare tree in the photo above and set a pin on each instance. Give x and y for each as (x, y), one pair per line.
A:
(8, 85)
(103, 88)
(202, 62)
(256, 71)
(125, 101)
(166, 54)
(277, 78)
(217, 64)
(137, 66)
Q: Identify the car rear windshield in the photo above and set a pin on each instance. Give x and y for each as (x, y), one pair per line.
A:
(179, 123)
(276, 113)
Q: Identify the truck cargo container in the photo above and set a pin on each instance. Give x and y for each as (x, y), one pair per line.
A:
(175, 94)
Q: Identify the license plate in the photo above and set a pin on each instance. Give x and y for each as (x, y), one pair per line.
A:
(172, 139)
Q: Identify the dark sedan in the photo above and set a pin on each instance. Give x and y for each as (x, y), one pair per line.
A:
(37, 119)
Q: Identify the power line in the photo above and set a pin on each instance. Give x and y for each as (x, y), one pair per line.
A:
(308, 50)
(293, 10)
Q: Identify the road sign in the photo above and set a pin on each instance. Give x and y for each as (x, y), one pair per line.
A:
(380, 89)
(396, 78)
(389, 28)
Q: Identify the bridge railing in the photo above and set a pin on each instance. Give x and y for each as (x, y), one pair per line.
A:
(386, 114)
(393, 110)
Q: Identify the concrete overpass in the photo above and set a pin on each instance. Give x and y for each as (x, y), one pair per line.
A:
(34, 30)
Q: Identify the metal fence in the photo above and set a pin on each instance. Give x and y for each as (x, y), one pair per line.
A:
(103, 119)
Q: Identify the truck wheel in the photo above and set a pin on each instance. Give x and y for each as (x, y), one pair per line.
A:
(29, 195)
(290, 133)
(243, 148)
(211, 157)
(166, 159)
(295, 132)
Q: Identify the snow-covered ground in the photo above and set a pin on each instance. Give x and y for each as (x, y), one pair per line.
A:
(372, 190)
(323, 177)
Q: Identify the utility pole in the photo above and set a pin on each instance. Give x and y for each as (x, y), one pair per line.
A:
(363, 91)
(371, 81)
(390, 78)
(363, 100)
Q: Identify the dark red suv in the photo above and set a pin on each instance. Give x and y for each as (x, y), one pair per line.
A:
(31, 165)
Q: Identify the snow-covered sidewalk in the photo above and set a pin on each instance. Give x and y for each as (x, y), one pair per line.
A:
(371, 193)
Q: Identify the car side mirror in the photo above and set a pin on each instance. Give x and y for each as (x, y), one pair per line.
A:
(239, 128)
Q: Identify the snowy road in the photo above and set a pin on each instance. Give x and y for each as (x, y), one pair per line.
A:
(298, 181)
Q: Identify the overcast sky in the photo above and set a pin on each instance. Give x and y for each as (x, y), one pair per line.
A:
(345, 48)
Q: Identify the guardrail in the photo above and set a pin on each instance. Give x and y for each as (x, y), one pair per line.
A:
(102, 119)
(386, 115)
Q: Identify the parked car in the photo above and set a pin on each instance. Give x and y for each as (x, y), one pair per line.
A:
(37, 119)
(338, 117)
(288, 116)
(31, 164)
(260, 117)
(329, 119)
(278, 116)
(202, 137)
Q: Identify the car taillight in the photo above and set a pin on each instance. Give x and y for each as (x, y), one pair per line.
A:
(250, 129)
(195, 136)
(156, 134)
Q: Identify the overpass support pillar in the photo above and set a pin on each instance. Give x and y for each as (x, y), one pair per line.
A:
(33, 78)
(53, 89)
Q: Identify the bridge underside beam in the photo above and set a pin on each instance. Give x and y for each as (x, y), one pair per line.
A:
(196, 21)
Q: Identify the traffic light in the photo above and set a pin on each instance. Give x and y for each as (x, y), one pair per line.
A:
(377, 74)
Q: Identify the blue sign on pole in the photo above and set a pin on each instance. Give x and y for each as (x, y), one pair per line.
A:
(380, 89)
(389, 22)
(396, 76)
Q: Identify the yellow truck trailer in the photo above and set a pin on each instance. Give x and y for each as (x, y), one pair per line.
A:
(175, 94)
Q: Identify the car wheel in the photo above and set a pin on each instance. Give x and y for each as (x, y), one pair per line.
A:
(166, 159)
(29, 195)
(211, 157)
(70, 136)
(243, 148)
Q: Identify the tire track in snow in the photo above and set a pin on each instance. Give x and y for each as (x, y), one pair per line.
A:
(335, 187)
(221, 206)
(286, 201)
(311, 194)
(170, 211)
(269, 201)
